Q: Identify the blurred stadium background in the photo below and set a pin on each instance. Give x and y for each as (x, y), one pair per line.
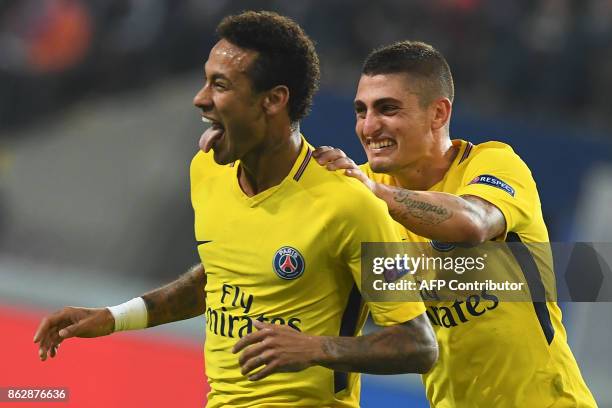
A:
(97, 132)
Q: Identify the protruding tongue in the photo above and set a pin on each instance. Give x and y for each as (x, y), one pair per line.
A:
(209, 137)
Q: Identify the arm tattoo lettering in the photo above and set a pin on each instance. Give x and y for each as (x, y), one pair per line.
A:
(426, 212)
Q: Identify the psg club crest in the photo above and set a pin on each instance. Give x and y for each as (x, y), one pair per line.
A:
(288, 263)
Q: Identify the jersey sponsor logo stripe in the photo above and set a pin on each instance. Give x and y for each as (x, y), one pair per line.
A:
(305, 162)
(348, 327)
(534, 281)
(466, 152)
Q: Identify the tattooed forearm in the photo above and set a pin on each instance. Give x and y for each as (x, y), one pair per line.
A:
(425, 212)
(407, 348)
(182, 299)
(442, 216)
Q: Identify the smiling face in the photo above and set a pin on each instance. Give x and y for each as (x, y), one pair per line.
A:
(229, 102)
(394, 129)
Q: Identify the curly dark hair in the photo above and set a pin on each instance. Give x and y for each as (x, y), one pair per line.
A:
(419, 60)
(286, 55)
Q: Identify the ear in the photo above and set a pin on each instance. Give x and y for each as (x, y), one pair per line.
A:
(276, 100)
(441, 110)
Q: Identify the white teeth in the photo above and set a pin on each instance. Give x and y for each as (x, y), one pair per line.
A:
(380, 145)
(213, 124)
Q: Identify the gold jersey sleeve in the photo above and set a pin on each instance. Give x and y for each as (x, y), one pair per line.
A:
(499, 176)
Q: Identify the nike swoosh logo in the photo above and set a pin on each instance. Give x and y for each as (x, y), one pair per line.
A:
(203, 242)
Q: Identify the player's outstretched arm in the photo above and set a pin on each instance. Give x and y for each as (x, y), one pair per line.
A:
(406, 348)
(430, 214)
(179, 300)
(182, 299)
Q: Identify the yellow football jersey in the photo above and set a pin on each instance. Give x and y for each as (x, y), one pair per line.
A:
(499, 353)
(289, 255)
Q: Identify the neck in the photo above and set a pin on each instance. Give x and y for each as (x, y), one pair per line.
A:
(429, 169)
(268, 164)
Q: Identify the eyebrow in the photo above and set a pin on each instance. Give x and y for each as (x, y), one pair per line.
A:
(216, 75)
(358, 103)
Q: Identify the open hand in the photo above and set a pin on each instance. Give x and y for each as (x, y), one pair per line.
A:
(71, 322)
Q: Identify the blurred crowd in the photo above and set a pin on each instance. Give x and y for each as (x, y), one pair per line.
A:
(542, 58)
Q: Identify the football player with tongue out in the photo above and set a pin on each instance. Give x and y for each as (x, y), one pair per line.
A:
(279, 239)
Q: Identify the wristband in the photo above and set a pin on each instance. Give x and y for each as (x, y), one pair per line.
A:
(131, 315)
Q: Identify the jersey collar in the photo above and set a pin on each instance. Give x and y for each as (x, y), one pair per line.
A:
(295, 174)
(465, 149)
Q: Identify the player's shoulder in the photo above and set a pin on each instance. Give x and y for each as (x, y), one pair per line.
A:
(491, 148)
(493, 153)
(345, 194)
